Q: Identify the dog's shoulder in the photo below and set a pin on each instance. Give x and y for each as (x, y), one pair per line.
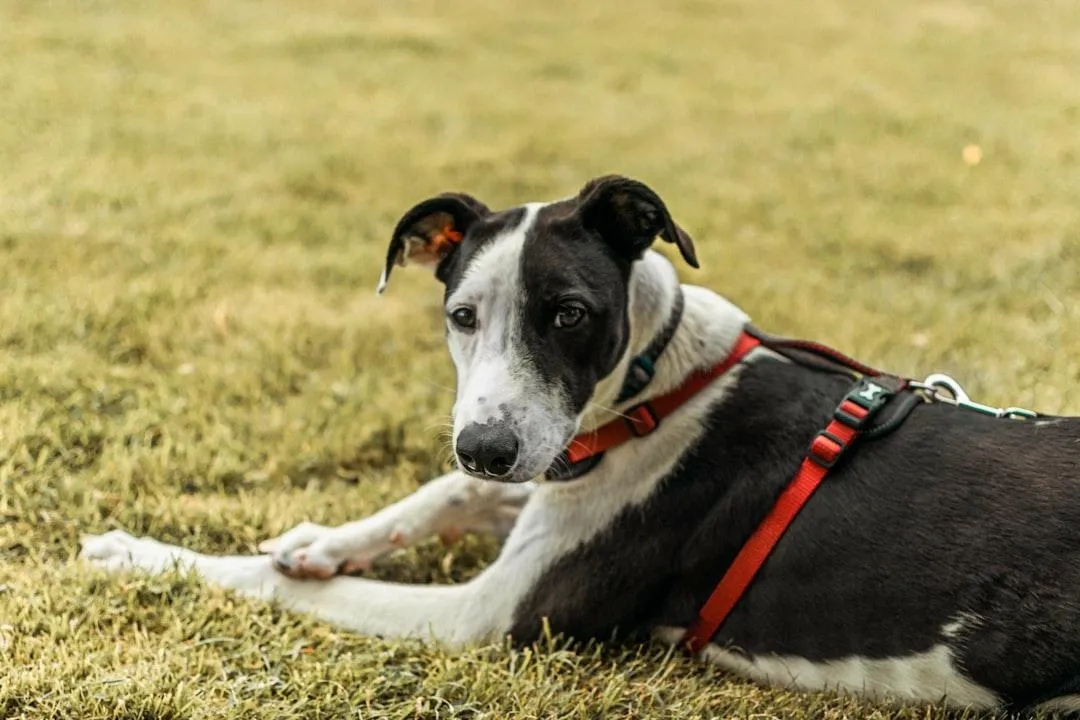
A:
(620, 577)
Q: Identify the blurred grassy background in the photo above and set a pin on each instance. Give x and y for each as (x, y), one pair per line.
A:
(195, 197)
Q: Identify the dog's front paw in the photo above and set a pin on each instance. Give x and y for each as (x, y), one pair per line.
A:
(311, 551)
(118, 550)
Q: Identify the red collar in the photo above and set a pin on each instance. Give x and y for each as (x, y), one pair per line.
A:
(642, 419)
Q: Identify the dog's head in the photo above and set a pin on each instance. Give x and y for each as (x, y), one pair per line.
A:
(536, 303)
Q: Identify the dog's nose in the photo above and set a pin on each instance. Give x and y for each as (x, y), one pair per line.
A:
(488, 449)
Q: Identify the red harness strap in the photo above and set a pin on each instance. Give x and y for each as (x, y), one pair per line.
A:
(642, 419)
(859, 405)
(869, 394)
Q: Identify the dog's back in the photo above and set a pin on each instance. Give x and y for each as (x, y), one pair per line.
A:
(949, 543)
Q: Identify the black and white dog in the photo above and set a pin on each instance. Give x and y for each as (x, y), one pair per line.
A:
(940, 561)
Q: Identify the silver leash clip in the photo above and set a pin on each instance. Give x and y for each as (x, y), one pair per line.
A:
(934, 383)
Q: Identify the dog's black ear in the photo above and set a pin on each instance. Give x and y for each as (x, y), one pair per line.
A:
(629, 215)
(432, 230)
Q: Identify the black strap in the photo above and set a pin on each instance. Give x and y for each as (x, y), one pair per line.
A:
(895, 413)
(812, 354)
(562, 470)
(643, 366)
(822, 357)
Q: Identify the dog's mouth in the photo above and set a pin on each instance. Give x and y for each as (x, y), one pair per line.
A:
(512, 477)
(519, 473)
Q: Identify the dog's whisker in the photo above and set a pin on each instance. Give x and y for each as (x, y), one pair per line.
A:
(442, 426)
(610, 411)
(575, 443)
(438, 386)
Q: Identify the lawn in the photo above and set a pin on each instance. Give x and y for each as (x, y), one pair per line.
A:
(195, 199)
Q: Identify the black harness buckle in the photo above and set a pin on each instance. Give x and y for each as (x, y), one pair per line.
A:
(857, 409)
(865, 399)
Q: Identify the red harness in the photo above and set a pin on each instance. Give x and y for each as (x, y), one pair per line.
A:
(850, 418)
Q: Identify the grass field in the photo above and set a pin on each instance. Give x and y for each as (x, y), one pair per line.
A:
(195, 198)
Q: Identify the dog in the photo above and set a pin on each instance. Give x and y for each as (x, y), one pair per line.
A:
(938, 560)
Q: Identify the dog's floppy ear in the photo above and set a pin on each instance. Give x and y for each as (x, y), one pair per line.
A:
(629, 215)
(430, 231)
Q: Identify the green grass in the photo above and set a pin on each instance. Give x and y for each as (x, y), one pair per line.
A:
(195, 198)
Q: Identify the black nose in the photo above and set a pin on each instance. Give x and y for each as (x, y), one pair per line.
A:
(488, 449)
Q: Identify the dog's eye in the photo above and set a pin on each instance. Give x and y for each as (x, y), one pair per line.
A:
(568, 315)
(464, 317)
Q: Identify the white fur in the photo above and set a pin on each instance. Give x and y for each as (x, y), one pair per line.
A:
(931, 676)
(447, 506)
(1065, 703)
(556, 519)
(963, 622)
(495, 383)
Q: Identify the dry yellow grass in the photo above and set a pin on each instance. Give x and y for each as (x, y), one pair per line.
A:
(195, 197)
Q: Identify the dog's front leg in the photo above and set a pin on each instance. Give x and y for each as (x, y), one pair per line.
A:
(447, 506)
(454, 614)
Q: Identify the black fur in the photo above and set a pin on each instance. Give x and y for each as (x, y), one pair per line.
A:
(462, 209)
(559, 262)
(576, 251)
(628, 215)
(953, 516)
(955, 512)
